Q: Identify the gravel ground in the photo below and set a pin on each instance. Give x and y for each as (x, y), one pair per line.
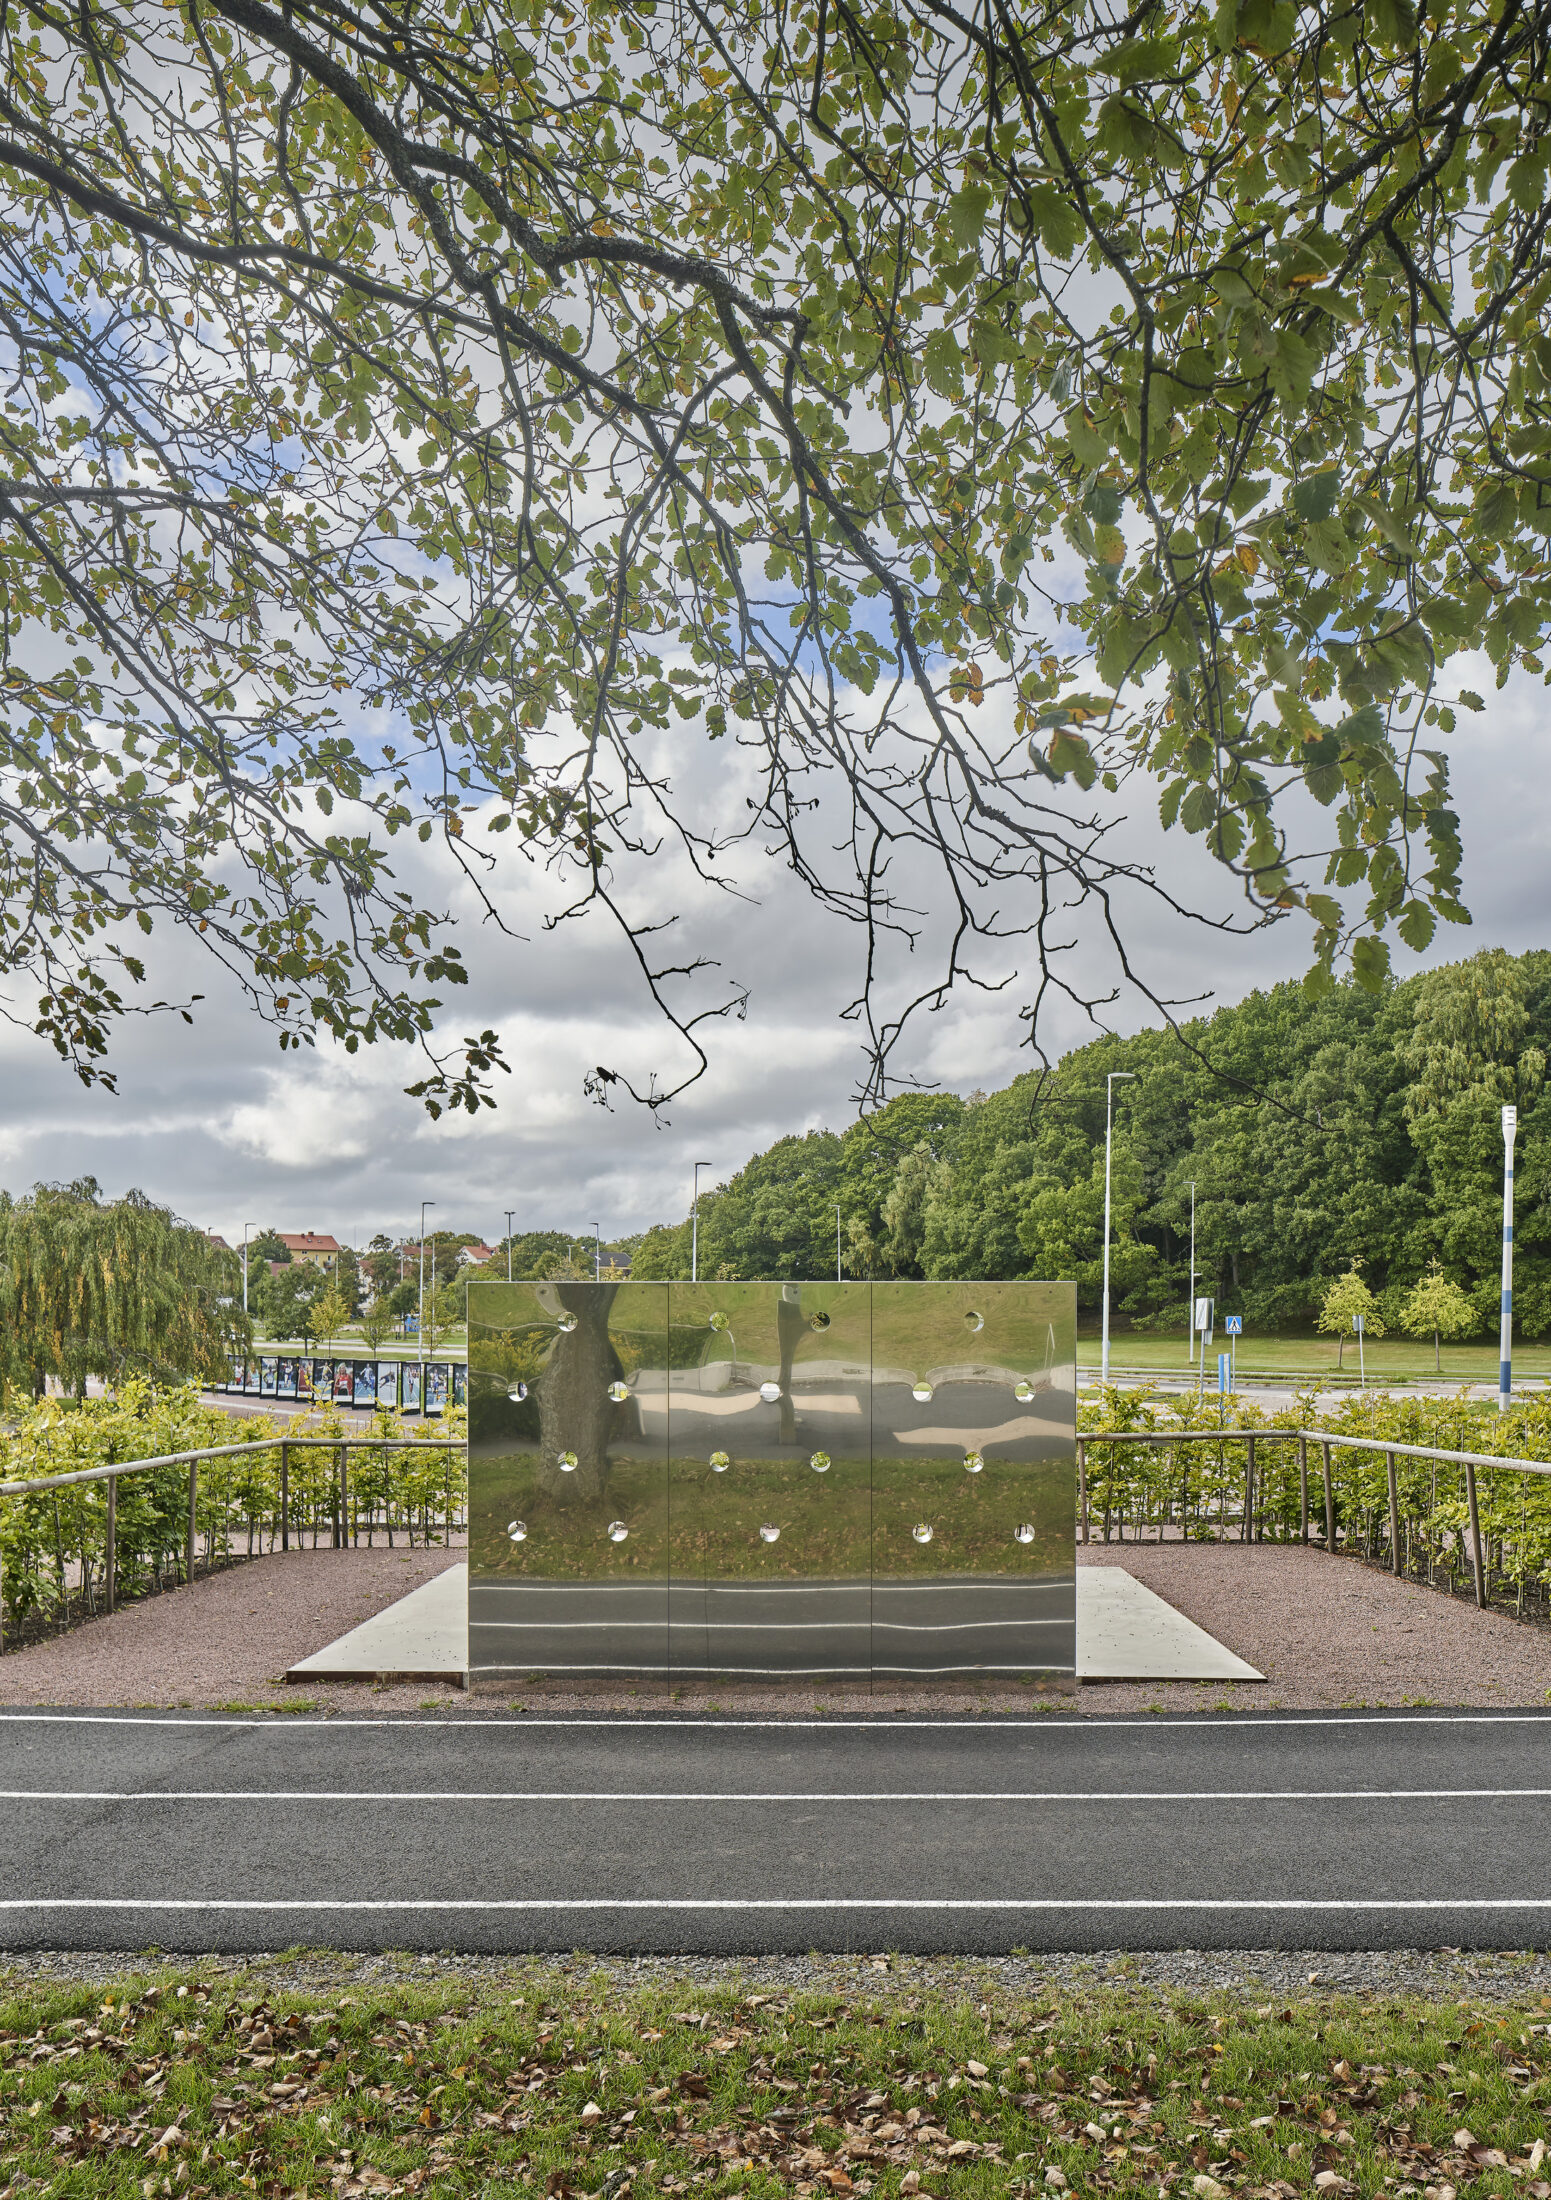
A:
(228, 1639)
(1325, 1632)
(1449, 1974)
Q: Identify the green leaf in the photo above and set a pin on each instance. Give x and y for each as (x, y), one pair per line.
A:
(1061, 227)
(1104, 504)
(1363, 730)
(943, 363)
(1370, 963)
(1315, 496)
(967, 211)
(1088, 447)
(1391, 22)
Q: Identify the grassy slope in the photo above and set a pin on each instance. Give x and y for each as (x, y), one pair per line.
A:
(391, 2090)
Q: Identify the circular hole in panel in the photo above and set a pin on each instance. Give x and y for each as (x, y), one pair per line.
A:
(770, 1392)
(617, 1531)
(922, 1531)
(920, 1390)
(1024, 1532)
(517, 1530)
(818, 1321)
(720, 1322)
(974, 1321)
(769, 1533)
(820, 1462)
(720, 1462)
(619, 1392)
(566, 1462)
(517, 1392)
(973, 1462)
(1023, 1389)
(568, 1323)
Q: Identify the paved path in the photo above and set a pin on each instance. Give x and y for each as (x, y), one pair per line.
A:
(1417, 1829)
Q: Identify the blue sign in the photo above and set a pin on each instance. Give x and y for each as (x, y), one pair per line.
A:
(1223, 1380)
(1233, 1325)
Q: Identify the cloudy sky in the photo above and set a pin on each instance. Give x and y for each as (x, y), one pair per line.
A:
(214, 1121)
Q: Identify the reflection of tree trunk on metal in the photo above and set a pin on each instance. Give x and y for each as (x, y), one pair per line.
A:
(789, 1328)
(576, 1412)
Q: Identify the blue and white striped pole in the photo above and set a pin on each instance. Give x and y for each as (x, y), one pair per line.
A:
(1505, 1346)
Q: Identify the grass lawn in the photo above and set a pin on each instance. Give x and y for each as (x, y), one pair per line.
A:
(1387, 1359)
(548, 2085)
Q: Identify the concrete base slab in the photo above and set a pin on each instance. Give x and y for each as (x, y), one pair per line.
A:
(1126, 1633)
(424, 1636)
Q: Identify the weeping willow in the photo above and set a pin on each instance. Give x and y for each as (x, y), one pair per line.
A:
(110, 1287)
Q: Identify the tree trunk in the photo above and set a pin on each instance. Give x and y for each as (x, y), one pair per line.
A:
(1340, 1348)
(576, 1413)
(1437, 1363)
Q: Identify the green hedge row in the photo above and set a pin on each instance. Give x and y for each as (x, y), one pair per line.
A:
(1197, 1486)
(53, 1544)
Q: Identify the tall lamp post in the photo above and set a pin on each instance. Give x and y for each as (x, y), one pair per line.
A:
(1190, 1318)
(509, 1214)
(1115, 1076)
(837, 1245)
(423, 1206)
(247, 1226)
(1505, 1345)
(597, 1254)
(694, 1225)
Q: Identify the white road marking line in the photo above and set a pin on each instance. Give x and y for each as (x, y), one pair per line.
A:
(1450, 1903)
(781, 1795)
(881, 1722)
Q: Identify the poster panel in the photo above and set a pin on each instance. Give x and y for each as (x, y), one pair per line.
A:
(436, 1388)
(409, 1386)
(251, 1377)
(460, 1384)
(388, 1384)
(365, 1385)
(269, 1369)
(304, 1378)
(285, 1379)
(344, 1383)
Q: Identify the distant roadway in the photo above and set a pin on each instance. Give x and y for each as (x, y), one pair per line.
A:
(1333, 1831)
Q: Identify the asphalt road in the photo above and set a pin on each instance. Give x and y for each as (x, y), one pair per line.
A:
(696, 1835)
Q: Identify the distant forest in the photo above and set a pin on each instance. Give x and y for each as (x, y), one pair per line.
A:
(1358, 1126)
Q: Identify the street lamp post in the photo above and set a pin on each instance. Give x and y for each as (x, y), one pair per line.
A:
(509, 1213)
(694, 1225)
(247, 1226)
(1122, 1076)
(597, 1254)
(1190, 1319)
(837, 1245)
(1505, 1344)
(423, 1206)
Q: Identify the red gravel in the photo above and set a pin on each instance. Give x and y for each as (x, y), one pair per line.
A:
(1325, 1632)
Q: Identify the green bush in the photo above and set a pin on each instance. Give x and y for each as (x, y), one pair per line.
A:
(53, 1543)
(1197, 1485)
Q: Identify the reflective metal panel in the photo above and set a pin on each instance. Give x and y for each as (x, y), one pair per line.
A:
(568, 1483)
(974, 1495)
(767, 1479)
(772, 1499)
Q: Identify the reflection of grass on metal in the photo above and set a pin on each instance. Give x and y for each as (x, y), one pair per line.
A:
(858, 1517)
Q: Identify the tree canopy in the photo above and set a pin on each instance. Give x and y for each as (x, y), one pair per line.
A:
(455, 422)
(1312, 1134)
(111, 1288)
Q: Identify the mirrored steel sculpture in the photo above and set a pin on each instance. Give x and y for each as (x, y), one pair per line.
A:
(767, 1480)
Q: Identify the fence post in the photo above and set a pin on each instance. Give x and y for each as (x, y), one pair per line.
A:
(1394, 1514)
(1082, 1486)
(1247, 1532)
(1475, 1534)
(285, 1497)
(1303, 1488)
(193, 1507)
(1330, 1504)
(110, 1555)
(344, 1499)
